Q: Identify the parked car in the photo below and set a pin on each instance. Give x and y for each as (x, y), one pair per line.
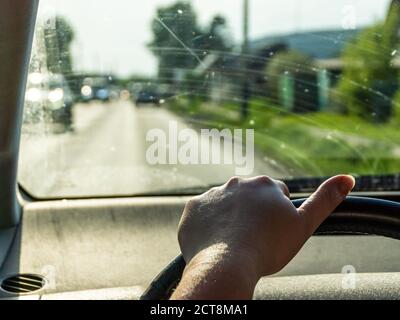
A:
(96, 88)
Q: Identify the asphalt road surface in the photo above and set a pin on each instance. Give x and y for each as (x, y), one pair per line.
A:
(106, 155)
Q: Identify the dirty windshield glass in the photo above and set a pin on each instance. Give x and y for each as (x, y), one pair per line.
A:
(171, 97)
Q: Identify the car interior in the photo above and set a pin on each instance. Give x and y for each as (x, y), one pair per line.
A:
(79, 221)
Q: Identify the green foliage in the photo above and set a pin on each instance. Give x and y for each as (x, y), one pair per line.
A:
(216, 37)
(58, 35)
(396, 108)
(180, 43)
(174, 26)
(364, 64)
(315, 144)
(369, 79)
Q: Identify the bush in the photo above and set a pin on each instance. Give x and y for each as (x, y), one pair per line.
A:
(369, 81)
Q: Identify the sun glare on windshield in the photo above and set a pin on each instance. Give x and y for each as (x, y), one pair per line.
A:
(171, 95)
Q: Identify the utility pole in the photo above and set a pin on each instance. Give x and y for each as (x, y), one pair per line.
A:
(245, 25)
(244, 62)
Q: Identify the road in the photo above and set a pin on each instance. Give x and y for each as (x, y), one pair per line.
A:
(106, 155)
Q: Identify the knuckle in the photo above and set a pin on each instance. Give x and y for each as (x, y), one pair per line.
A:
(264, 180)
(233, 181)
(192, 203)
(280, 183)
(283, 187)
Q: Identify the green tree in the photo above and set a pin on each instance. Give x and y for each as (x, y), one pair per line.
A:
(174, 30)
(217, 37)
(59, 35)
(369, 79)
(180, 43)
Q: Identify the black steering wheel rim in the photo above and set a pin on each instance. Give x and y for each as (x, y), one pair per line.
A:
(354, 216)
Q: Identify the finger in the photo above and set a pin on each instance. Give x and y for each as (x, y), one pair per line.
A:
(322, 203)
(283, 187)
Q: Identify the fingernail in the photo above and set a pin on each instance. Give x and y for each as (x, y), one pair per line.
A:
(347, 185)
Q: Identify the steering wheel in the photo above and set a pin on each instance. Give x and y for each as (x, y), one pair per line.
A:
(355, 215)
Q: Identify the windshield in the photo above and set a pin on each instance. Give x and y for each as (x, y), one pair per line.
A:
(171, 97)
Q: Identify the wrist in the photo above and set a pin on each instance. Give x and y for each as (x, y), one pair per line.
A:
(219, 266)
(233, 258)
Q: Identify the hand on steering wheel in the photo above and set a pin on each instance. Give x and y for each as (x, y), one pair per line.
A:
(354, 215)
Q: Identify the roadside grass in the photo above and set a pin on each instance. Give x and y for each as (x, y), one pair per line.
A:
(311, 144)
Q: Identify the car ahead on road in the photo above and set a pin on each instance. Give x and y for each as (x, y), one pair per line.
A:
(151, 94)
(49, 98)
(96, 88)
(147, 97)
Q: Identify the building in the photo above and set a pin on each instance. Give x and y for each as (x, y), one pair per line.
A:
(227, 72)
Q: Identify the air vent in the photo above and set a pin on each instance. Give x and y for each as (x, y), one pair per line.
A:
(23, 283)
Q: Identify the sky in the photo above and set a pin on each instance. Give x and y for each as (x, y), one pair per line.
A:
(111, 36)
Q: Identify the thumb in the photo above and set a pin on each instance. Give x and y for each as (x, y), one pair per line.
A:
(323, 201)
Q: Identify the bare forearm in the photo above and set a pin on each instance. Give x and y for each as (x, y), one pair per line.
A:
(217, 274)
